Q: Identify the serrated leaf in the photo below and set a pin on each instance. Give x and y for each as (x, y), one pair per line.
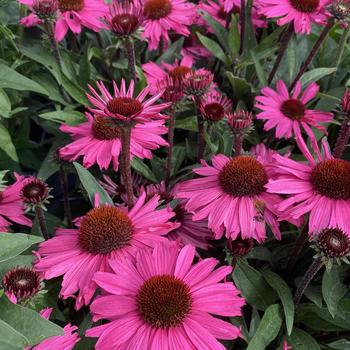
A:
(301, 340)
(253, 286)
(284, 293)
(91, 186)
(6, 143)
(10, 79)
(27, 322)
(138, 165)
(333, 290)
(13, 244)
(214, 48)
(268, 329)
(10, 339)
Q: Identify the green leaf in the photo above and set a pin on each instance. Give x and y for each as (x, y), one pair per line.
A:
(70, 118)
(301, 340)
(341, 344)
(13, 244)
(5, 104)
(27, 322)
(85, 68)
(234, 37)
(10, 79)
(333, 289)
(74, 90)
(253, 286)
(10, 339)
(219, 30)
(259, 70)
(314, 293)
(189, 123)
(173, 51)
(20, 260)
(268, 329)
(91, 185)
(138, 165)
(214, 48)
(316, 74)
(6, 143)
(241, 88)
(284, 293)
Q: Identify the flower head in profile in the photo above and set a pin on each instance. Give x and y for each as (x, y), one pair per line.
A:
(161, 16)
(58, 342)
(301, 12)
(105, 232)
(123, 106)
(34, 192)
(214, 106)
(155, 74)
(125, 18)
(239, 120)
(289, 113)
(98, 141)
(162, 301)
(71, 14)
(198, 82)
(12, 208)
(231, 194)
(320, 188)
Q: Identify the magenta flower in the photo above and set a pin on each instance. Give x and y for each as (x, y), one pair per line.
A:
(215, 10)
(123, 106)
(214, 106)
(289, 113)
(232, 195)
(98, 141)
(163, 302)
(158, 73)
(11, 205)
(301, 12)
(58, 342)
(161, 16)
(72, 14)
(104, 232)
(320, 188)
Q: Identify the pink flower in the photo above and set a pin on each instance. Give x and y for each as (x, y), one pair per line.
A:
(59, 342)
(320, 188)
(123, 106)
(214, 10)
(213, 106)
(72, 15)
(301, 12)
(12, 206)
(191, 232)
(161, 16)
(193, 48)
(104, 232)
(163, 302)
(156, 73)
(286, 346)
(232, 195)
(98, 141)
(289, 113)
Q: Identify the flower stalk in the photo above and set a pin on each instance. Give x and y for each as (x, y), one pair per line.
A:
(66, 203)
(171, 129)
(130, 53)
(42, 221)
(201, 132)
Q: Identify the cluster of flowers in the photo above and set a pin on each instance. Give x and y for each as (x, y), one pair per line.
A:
(134, 266)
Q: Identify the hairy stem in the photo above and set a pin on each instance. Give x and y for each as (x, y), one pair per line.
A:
(313, 52)
(126, 164)
(242, 16)
(55, 51)
(130, 53)
(286, 37)
(342, 139)
(66, 203)
(308, 277)
(169, 160)
(339, 54)
(201, 131)
(238, 143)
(42, 222)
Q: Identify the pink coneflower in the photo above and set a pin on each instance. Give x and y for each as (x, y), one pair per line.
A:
(289, 113)
(161, 16)
(158, 73)
(123, 106)
(12, 206)
(239, 120)
(198, 82)
(163, 302)
(301, 12)
(214, 106)
(72, 14)
(58, 342)
(286, 346)
(232, 195)
(98, 141)
(104, 232)
(320, 188)
(191, 232)
(215, 10)
(124, 18)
